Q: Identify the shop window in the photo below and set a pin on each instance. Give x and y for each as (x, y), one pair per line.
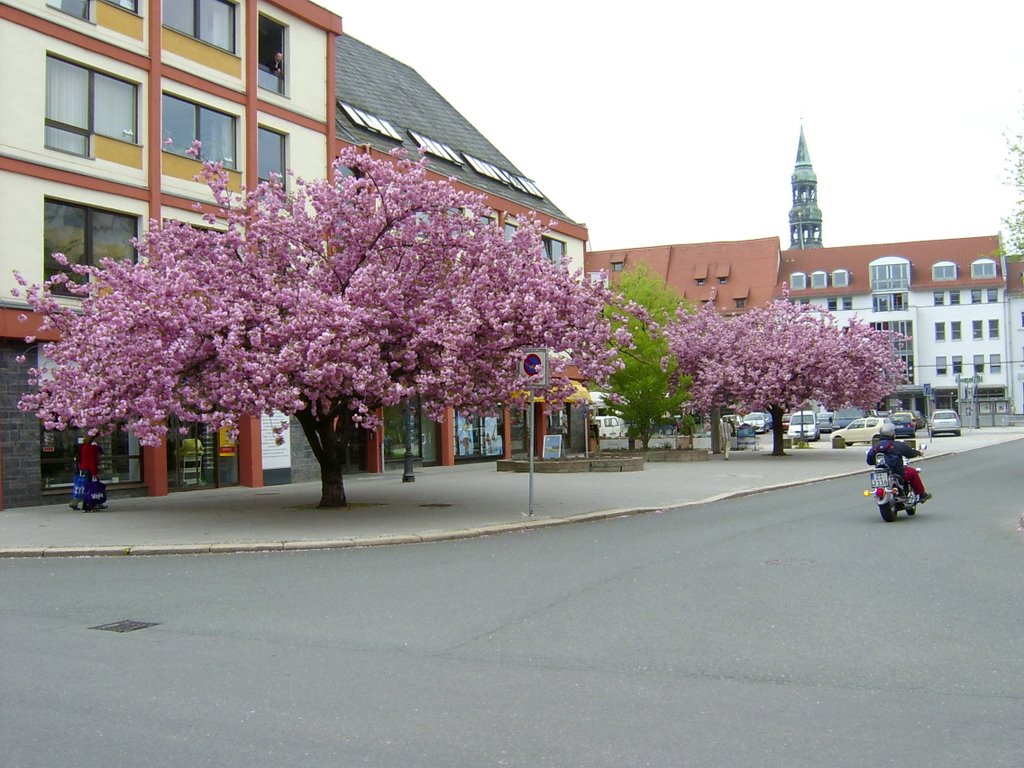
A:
(81, 102)
(212, 21)
(120, 457)
(186, 122)
(271, 65)
(85, 236)
(478, 436)
(270, 154)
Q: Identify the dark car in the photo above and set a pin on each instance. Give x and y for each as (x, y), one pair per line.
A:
(906, 425)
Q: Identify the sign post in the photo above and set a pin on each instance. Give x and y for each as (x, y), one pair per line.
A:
(533, 364)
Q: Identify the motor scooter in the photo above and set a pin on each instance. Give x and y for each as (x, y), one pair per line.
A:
(891, 491)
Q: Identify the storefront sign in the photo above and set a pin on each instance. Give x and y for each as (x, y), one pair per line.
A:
(275, 456)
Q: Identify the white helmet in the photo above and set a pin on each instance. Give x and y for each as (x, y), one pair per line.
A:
(888, 429)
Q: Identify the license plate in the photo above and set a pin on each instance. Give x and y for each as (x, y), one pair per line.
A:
(879, 479)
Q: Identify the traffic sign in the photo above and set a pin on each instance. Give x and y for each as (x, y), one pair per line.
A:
(533, 364)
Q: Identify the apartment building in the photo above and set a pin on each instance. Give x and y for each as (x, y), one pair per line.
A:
(111, 95)
(105, 100)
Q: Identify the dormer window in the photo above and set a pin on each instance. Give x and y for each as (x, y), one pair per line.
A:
(944, 270)
(798, 281)
(841, 278)
(819, 280)
(983, 268)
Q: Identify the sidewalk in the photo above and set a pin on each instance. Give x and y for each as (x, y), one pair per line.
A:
(443, 503)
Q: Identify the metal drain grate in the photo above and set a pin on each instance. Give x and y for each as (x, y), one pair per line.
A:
(434, 506)
(127, 625)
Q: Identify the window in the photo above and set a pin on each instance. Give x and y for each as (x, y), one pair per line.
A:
(741, 303)
(979, 363)
(977, 329)
(840, 278)
(77, 8)
(723, 280)
(890, 277)
(510, 229)
(975, 296)
(81, 102)
(993, 295)
(939, 298)
(798, 281)
(889, 302)
(85, 235)
(819, 280)
(832, 304)
(617, 266)
(271, 55)
(120, 459)
(944, 270)
(954, 330)
(185, 122)
(983, 268)
(993, 329)
(995, 364)
(940, 366)
(554, 250)
(701, 281)
(954, 297)
(212, 21)
(940, 331)
(270, 154)
(958, 364)
(847, 302)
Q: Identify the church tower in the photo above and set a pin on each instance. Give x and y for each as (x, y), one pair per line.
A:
(805, 215)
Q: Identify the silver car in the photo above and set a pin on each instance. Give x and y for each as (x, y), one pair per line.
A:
(945, 422)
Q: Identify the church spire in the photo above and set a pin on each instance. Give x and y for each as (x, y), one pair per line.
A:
(805, 215)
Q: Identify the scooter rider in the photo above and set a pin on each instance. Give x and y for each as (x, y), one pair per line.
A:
(895, 452)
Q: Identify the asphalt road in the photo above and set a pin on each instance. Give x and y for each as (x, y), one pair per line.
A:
(790, 628)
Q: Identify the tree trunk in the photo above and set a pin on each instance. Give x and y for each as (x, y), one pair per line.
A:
(777, 430)
(328, 435)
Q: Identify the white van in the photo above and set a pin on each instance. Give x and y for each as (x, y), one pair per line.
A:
(803, 425)
(610, 426)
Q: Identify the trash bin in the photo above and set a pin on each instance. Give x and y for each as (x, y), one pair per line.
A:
(746, 438)
(838, 441)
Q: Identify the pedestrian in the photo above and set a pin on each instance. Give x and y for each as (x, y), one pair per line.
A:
(87, 467)
(725, 435)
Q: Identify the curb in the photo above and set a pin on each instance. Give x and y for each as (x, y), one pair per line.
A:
(427, 537)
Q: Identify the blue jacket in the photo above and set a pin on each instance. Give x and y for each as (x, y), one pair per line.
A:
(895, 452)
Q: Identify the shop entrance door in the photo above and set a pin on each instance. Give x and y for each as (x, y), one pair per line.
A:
(200, 458)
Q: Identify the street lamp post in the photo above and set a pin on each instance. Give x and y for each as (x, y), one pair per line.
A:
(407, 475)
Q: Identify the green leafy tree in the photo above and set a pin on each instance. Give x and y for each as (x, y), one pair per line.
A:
(641, 391)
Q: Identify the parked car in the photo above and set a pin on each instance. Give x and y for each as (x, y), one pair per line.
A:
(906, 424)
(760, 421)
(610, 426)
(826, 421)
(785, 421)
(945, 422)
(844, 416)
(860, 430)
(803, 425)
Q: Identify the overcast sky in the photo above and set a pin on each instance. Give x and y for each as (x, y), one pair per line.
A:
(655, 122)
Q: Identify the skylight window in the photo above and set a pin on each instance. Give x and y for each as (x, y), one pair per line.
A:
(437, 148)
(370, 122)
(499, 174)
